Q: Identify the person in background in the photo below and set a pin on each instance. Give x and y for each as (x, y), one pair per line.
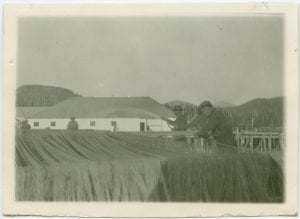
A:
(25, 125)
(73, 125)
(212, 125)
(148, 128)
(180, 123)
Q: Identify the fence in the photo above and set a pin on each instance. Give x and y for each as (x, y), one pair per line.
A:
(246, 140)
(262, 141)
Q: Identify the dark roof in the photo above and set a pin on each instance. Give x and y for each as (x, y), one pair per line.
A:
(25, 112)
(106, 107)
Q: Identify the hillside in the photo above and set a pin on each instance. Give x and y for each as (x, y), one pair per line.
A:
(262, 111)
(222, 104)
(40, 95)
(265, 112)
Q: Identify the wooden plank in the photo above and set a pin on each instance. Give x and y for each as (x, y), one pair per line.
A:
(194, 133)
(270, 143)
(264, 143)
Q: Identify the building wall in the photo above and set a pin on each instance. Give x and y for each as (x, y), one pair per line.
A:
(158, 125)
(123, 124)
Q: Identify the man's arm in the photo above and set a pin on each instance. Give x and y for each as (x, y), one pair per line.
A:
(169, 121)
(193, 122)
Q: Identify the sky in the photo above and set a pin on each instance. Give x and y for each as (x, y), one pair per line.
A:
(231, 59)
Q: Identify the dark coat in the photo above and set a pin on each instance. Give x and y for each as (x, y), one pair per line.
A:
(215, 125)
(25, 125)
(72, 125)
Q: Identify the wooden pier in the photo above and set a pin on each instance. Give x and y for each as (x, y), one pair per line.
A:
(246, 140)
(261, 141)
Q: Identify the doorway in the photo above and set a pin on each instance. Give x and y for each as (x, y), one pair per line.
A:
(142, 126)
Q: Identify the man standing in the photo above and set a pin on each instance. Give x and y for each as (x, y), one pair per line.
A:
(212, 125)
(180, 124)
(25, 125)
(72, 125)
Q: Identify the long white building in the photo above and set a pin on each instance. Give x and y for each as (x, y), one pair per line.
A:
(105, 113)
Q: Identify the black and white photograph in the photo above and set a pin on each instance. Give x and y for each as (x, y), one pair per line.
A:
(172, 108)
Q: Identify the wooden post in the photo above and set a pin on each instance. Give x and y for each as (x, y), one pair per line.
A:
(194, 145)
(270, 143)
(264, 143)
(275, 143)
(201, 144)
(251, 143)
(243, 141)
(237, 137)
(188, 139)
(281, 141)
(260, 144)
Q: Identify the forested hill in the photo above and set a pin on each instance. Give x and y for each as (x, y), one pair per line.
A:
(265, 112)
(40, 95)
(262, 111)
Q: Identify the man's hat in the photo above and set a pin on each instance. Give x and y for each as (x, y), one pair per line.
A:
(178, 108)
(204, 104)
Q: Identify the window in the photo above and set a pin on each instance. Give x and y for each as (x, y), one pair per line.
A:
(92, 123)
(114, 123)
(52, 123)
(35, 124)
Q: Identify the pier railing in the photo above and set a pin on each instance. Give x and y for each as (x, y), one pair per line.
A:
(246, 140)
(262, 141)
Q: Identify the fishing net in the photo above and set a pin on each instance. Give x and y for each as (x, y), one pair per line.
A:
(103, 166)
